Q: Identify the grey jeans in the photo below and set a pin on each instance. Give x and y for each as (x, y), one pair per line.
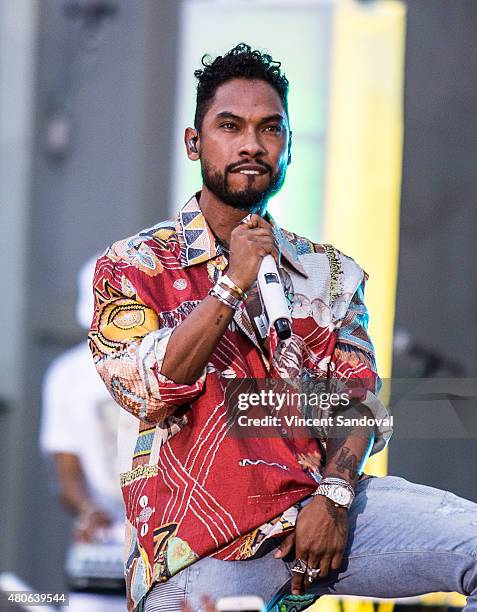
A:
(404, 540)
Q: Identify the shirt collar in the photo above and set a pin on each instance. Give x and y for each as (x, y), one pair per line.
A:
(198, 243)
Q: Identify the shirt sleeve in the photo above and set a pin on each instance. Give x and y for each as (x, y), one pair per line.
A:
(354, 359)
(129, 345)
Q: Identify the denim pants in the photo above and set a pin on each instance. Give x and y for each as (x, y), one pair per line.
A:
(404, 540)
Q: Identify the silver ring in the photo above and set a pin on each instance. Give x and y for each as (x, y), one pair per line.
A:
(312, 573)
(300, 567)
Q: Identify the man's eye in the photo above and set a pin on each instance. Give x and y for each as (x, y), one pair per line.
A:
(275, 129)
(228, 125)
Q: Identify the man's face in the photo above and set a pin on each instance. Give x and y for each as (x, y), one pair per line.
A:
(244, 144)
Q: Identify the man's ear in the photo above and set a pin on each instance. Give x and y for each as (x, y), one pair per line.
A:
(289, 148)
(191, 139)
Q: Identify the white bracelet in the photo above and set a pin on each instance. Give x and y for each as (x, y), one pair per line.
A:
(225, 296)
(231, 285)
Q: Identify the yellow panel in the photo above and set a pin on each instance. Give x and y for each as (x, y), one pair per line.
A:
(326, 604)
(363, 176)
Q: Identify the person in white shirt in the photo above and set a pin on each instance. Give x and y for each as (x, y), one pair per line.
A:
(78, 431)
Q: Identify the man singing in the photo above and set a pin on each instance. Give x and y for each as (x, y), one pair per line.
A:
(178, 316)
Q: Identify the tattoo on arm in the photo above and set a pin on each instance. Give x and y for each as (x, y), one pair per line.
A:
(347, 461)
(219, 319)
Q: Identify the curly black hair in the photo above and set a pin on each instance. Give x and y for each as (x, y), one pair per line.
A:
(240, 62)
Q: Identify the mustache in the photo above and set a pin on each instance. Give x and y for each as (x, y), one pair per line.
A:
(232, 167)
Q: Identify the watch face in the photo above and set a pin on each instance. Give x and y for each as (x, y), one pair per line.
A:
(340, 495)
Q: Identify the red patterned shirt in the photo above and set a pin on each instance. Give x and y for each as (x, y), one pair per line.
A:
(190, 489)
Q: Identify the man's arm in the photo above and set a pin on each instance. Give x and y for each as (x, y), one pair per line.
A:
(128, 346)
(151, 370)
(321, 530)
(194, 340)
(75, 497)
(60, 441)
(348, 448)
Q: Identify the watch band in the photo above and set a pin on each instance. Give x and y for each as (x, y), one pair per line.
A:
(329, 490)
(337, 481)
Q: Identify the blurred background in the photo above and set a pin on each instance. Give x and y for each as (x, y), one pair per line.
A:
(94, 98)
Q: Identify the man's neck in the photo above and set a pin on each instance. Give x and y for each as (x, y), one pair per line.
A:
(220, 217)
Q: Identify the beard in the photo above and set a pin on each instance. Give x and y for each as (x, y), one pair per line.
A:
(249, 199)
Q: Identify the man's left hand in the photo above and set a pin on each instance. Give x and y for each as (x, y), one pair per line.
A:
(319, 538)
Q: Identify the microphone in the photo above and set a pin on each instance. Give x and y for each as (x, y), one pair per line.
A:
(273, 297)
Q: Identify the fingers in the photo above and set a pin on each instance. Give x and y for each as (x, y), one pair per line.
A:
(259, 235)
(256, 228)
(207, 603)
(324, 566)
(297, 583)
(249, 243)
(324, 563)
(285, 546)
(314, 560)
(320, 559)
(260, 231)
(258, 221)
(84, 533)
(265, 247)
(256, 233)
(263, 239)
(337, 562)
(300, 581)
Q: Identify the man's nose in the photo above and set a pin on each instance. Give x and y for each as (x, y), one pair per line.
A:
(251, 145)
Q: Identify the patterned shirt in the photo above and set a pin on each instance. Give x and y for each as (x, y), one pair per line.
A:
(190, 489)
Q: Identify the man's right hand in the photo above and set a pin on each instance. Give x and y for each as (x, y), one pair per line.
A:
(193, 341)
(249, 243)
